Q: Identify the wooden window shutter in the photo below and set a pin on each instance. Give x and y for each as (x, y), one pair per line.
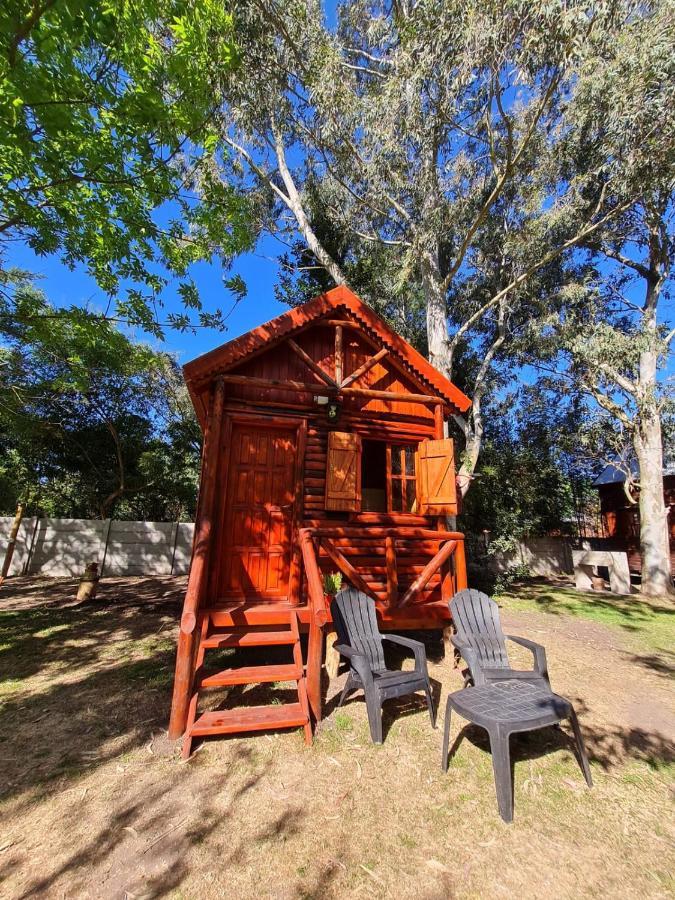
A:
(343, 471)
(436, 486)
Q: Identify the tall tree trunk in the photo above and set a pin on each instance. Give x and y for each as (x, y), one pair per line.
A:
(654, 539)
(440, 354)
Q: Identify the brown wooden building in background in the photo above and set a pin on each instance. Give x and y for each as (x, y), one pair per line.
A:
(324, 450)
(621, 518)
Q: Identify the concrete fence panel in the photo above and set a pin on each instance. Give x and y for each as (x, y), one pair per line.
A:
(64, 547)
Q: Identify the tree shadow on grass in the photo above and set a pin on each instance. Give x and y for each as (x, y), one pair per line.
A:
(145, 844)
(607, 746)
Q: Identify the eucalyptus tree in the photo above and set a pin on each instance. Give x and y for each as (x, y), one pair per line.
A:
(429, 125)
(105, 133)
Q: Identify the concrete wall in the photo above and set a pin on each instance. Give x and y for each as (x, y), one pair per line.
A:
(63, 547)
(543, 556)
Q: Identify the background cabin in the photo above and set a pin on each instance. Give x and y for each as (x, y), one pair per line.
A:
(621, 519)
(325, 450)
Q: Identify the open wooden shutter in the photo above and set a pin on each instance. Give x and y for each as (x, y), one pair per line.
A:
(436, 487)
(343, 472)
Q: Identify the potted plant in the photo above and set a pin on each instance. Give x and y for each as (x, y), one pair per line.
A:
(332, 582)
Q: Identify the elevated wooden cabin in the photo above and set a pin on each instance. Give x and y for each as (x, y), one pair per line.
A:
(324, 450)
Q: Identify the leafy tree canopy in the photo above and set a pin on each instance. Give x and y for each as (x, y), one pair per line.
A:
(107, 144)
(91, 423)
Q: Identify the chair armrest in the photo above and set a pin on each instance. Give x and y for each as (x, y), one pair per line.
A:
(470, 656)
(357, 660)
(417, 648)
(538, 653)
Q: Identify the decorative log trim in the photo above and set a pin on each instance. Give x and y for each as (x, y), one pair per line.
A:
(278, 385)
(314, 366)
(301, 386)
(392, 396)
(381, 531)
(339, 356)
(347, 568)
(366, 367)
(392, 573)
(430, 569)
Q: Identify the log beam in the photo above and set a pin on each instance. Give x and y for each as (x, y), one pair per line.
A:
(347, 568)
(430, 569)
(314, 366)
(339, 355)
(366, 367)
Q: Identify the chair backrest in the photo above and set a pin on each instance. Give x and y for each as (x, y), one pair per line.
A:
(476, 619)
(356, 625)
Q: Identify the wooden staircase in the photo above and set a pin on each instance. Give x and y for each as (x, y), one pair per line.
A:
(213, 635)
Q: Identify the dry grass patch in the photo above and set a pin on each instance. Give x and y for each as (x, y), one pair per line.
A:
(97, 804)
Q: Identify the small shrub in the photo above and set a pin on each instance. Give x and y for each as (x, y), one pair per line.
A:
(504, 580)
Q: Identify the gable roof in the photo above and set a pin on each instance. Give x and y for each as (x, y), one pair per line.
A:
(273, 332)
(615, 473)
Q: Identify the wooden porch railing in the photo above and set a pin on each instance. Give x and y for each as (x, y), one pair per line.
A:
(314, 539)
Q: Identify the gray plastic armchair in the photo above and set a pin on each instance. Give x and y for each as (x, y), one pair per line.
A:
(482, 643)
(360, 642)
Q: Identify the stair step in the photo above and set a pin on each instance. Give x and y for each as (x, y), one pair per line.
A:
(252, 675)
(249, 718)
(249, 638)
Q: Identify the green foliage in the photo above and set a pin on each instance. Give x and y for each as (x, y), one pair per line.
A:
(508, 578)
(91, 424)
(107, 143)
(332, 582)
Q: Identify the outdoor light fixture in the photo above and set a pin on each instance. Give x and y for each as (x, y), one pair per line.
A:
(333, 410)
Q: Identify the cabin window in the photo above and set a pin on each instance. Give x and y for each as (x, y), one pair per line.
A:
(388, 477)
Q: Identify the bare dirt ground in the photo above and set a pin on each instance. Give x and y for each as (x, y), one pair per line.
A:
(94, 802)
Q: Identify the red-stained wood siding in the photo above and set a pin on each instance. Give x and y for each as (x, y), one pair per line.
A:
(282, 364)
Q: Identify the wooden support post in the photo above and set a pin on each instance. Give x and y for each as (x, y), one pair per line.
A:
(11, 544)
(317, 621)
(309, 362)
(430, 569)
(339, 357)
(198, 569)
(460, 567)
(392, 571)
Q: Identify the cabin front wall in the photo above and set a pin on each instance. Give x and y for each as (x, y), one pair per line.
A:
(271, 481)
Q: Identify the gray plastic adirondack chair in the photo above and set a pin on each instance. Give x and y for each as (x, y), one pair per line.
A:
(360, 642)
(482, 643)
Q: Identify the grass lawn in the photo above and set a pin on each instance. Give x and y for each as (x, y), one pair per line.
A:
(94, 801)
(647, 624)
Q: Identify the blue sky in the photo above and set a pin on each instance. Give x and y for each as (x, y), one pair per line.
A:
(259, 270)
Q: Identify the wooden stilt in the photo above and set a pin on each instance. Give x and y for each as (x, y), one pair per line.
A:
(198, 571)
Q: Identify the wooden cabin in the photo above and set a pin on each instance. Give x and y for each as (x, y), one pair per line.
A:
(324, 451)
(621, 519)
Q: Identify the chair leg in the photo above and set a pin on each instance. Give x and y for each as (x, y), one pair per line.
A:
(446, 736)
(374, 707)
(501, 766)
(430, 705)
(581, 750)
(346, 690)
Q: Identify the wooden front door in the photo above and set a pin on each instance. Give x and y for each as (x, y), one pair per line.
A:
(259, 512)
